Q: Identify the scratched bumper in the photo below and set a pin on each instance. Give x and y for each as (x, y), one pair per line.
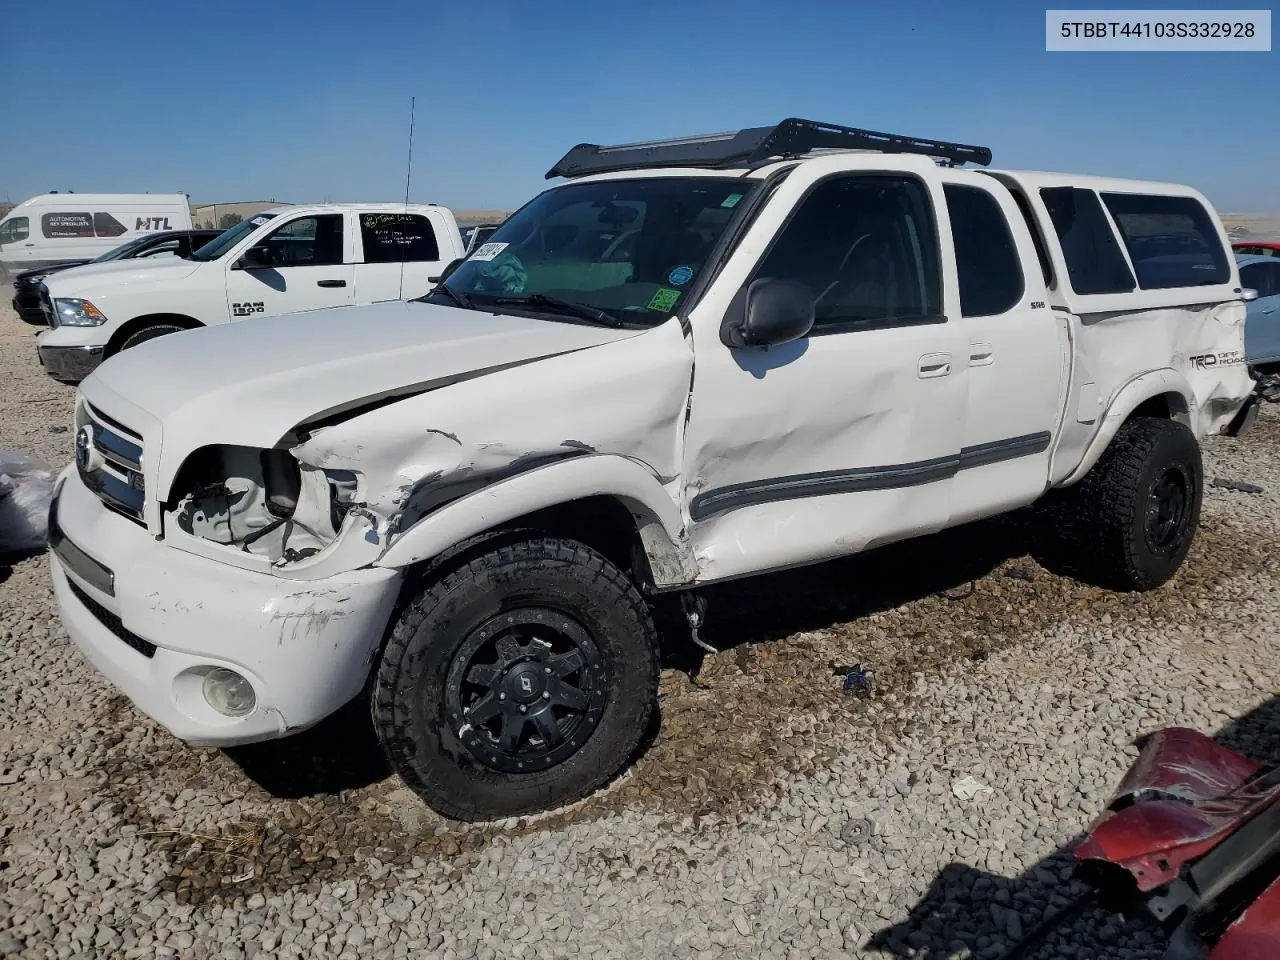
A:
(307, 647)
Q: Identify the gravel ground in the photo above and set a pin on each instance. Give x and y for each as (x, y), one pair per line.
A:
(770, 815)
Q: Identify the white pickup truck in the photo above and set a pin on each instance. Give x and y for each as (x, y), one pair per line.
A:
(285, 260)
(695, 360)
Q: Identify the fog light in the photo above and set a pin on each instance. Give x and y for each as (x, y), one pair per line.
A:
(229, 693)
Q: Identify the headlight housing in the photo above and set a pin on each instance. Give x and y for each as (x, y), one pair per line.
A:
(263, 502)
(72, 312)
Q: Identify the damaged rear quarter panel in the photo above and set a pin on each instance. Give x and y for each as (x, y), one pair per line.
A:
(625, 398)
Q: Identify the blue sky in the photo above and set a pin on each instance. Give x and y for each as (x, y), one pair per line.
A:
(299, 102)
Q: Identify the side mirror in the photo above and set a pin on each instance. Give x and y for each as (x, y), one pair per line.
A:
(1248, 294)
(255, 258)
(444, 274)
(768, 312)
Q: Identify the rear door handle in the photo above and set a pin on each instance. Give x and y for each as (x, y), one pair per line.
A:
(934, 365)
(331, 283)
(980, 354)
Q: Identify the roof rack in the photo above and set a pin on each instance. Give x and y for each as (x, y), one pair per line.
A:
(745, 148)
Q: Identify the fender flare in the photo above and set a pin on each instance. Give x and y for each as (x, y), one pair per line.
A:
(1128, 398)
(657, 517)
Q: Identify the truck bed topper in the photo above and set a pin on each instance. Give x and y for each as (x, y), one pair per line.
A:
(745, 148)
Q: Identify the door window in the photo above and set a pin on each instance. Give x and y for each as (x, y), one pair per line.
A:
(14, 229)
(867, 248)
(397, 238)
(987, 261)
(307, 242)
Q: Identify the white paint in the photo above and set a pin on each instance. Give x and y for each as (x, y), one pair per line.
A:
(498, 416)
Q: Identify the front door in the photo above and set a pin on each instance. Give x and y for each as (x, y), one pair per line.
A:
(309, 268)
(849, 437)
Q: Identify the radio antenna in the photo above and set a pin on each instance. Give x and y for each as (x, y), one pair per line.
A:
(409, 171)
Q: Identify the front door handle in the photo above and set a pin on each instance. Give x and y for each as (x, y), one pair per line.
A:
(934, 365)
(331, 283)
(980, 354)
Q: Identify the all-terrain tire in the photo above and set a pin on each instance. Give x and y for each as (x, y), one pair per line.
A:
(150, 333)
(1129, 524)
(420, 679)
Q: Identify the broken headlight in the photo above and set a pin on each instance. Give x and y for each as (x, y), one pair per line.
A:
(264, 502)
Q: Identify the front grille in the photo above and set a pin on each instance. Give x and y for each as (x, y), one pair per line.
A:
(112, 622)
(112, 469)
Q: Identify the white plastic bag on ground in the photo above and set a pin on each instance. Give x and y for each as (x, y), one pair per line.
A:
(26, 489)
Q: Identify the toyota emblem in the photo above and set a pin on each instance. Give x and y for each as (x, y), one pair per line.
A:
(84, 447)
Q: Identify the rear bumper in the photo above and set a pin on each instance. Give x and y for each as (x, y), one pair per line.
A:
(155, 620)
(71, 364)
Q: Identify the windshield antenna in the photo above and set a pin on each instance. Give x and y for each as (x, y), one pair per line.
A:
(409, 171)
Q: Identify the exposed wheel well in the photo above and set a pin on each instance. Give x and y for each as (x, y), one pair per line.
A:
(149, 320)
(602, 523)
(1164, 406)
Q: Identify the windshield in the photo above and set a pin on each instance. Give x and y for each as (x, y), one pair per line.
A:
(630, 248)
(117, 252)
(230, 237)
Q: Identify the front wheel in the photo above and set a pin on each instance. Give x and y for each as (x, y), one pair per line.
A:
(1130, 522)
(149, 333)
(521, 681)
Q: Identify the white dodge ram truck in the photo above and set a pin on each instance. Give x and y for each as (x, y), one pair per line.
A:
(694, 360)
(284, 260)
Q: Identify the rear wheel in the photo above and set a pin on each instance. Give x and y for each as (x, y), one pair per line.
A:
(1130, 522)
(520, 681)
(149, 333)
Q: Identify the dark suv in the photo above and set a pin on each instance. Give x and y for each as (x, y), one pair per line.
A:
(26, 286)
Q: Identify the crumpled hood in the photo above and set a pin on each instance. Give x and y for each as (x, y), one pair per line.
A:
(86, 279)
(250, 383)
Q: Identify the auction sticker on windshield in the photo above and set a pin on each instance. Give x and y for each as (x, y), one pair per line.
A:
(664, 299)
(488, 251)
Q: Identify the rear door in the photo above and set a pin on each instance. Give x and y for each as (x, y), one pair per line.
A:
(1018, 352)
(398, 252)
(310, 268)
(1262, 328)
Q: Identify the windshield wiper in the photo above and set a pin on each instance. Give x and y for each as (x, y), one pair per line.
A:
(580, 310)
(457, 296)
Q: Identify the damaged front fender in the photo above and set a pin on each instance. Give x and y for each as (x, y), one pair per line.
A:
(657, 520)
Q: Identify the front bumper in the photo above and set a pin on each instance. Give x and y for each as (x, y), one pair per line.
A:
(154, 620)
(71, 364)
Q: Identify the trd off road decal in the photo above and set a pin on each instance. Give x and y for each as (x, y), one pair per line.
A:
(1229, 358)
(247, 309)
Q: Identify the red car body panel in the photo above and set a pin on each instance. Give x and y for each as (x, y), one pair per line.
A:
(1184, 795)
(1255, 935)
(1270, 245)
